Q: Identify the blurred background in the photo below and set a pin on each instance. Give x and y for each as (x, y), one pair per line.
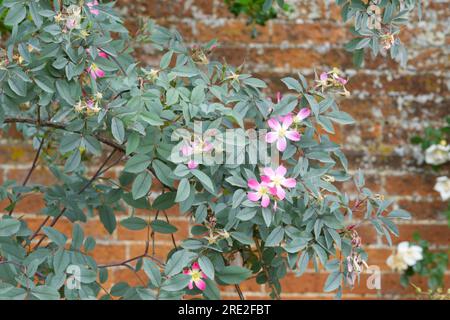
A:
(391, 105)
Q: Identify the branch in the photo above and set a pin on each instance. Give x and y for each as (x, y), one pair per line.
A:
(62, 126)
(94, 177)
(33, 166)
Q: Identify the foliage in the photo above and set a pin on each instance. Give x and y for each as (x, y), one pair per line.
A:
(377, 24)
(432, 266)
(257, 11)
(70, 85)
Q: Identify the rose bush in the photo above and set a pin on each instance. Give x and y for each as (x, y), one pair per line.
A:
(70, 84)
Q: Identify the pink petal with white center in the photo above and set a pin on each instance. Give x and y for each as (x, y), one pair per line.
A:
(293, 135)
(252, 183)
(287, 121)
(281, 144)
(268, 171)
(265, 201)
(187, 271)
(281, 171)
(289, 183)
(274, 124)
(280, 193)
(271, 137)
(303, 114)
(253, 196)
(200, 284)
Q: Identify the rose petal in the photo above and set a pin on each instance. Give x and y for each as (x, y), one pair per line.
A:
(293, 135)
(303, 114)
(265, 201)
(195, 266)
(287, 121)
(289, 183)
(280, 193)
(281, 144)
(268, 171)
(274, 124)
(252, 183)
(281, 171)
(271, 137)
(200, 284)
(253, 196)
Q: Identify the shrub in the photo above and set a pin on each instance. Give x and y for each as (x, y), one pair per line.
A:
(70, 84)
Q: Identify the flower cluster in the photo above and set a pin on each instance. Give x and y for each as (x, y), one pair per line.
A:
(272, 185)
(405, 256)
(333, 80)
(197, 147)
(355, 262)
(436, 155)
(89, 106)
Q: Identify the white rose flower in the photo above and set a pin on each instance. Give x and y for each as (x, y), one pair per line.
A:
(410, 254)
(443, 187)
(437, 154)
(405, 256)
(396, 263)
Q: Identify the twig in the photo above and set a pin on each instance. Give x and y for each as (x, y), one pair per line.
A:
(33, 166)
(93, 178)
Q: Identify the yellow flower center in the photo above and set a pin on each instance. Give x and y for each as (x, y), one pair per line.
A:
(196, 275)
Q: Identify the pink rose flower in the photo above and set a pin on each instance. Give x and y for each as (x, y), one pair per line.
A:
(197, 277)
(281, 132)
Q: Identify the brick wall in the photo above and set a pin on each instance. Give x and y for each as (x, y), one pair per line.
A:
(390, 104)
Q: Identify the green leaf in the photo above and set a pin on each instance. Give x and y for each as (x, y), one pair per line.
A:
(206, 266)
(178, 261)
(15, 15)
(340, 117)
(137, 163)
(275, 237)
(333, 281)
(183, 191)
(399, 214)
(292, 84)
(63, 89)
(164, 201)
(18, 86)
(134, 223)
(118, 130)
(107, 218)
(161, 226)
(56, 236)
(163, 172)
(141, 185)
(233, 274)
(205, 180)
(77, 236)
(152, 271)
(9, 227)
(45, 293)
(198, 95)
(176, 283)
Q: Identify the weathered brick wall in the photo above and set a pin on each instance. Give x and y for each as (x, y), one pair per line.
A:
(390, 105)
